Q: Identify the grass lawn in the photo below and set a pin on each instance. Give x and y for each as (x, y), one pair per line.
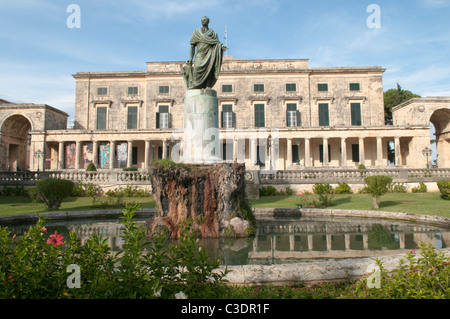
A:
(418, 203)
(11, 205)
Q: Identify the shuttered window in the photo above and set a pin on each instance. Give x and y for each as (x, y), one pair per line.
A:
(227, 88)
(259, 115)
(132, 90)
(101, 118)
(355, 87)
(292, 119)
(132, 117)
(322, 87)
(164, 89)
(324, 118)
(291, 87)
(258, 88)
(165, 118)
(356, 113)
(227, 116)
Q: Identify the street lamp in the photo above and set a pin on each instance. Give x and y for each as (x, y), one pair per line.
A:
(38, 155)
(427, 152)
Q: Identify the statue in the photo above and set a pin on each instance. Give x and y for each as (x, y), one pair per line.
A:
(207, 59)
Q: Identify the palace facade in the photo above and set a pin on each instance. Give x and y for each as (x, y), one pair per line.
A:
(273, 115)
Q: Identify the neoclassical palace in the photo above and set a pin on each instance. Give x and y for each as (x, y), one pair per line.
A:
(273, 115)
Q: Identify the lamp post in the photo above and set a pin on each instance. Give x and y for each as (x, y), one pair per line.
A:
(427, 152)
(38, 155)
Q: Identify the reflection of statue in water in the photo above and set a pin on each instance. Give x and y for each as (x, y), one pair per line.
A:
(207, 61)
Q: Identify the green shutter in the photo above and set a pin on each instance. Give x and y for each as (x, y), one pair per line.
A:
(356, 113)
(101, 118)
(258, 88)
(324, 118)
(132, 118)
(259, 115)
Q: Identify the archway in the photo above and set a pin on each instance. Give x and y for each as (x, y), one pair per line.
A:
(441, 121)
(15, 142)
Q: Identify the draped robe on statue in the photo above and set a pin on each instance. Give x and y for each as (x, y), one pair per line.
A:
(207, 60)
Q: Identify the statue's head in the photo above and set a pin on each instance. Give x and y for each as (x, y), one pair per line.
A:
(205, 20)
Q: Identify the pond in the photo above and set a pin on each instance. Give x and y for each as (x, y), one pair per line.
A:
(287, 240)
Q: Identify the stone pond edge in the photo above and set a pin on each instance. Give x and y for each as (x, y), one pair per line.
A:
(280, 274)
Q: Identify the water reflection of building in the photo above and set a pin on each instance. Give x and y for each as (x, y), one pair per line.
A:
(283, 241)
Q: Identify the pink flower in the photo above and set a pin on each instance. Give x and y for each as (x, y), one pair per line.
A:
(56, 239)
(44, 230)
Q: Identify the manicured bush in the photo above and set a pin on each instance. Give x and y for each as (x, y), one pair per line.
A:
(444, 188)
(267, 191)
(377, 186)
(325, 192)
(342, 188)
(397, 188)
(54, 191)
(91, 168)
(422, 188)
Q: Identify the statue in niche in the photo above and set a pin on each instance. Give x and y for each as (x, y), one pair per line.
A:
(207, 59)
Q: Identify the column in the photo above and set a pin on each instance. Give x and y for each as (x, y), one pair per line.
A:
(288, 160)
(147, 154)
(361, 151)
(164, 152)
(61, 155)
(77, 154)
(326, 160)
(253, 150)
(398, 155)
(379, 151)
(112, 154)
(307, 153)
(347, 241)
(343, 152)
(95, 153)
(130, 154)
(235, 149)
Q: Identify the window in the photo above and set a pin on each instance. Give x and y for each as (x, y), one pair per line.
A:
(355, 87)
(101, 117)
(132, 117)
(291, 87)
(292, 115)
(227, 88)
(321, 153)
(322, 87)
(356, 113)
(162, 117)
(295, 157)
(324, 118)
(132, 90)
(258, 88)
(164, 89)
(102, 91)
(259, 115)
(227, 116)
(134, 155)
(355, 153)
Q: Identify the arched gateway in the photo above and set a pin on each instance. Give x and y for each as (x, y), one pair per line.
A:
(419, 113)
(22, 134)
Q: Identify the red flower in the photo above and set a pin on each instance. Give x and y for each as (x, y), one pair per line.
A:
(56, 239)
(44, 230)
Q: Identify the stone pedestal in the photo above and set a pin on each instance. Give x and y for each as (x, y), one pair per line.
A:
(201, 127)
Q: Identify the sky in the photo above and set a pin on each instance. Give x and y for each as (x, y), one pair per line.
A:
(44, 42)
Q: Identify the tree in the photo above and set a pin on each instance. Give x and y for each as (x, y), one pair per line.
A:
(394, 97)
(53, 191)
(377, 186)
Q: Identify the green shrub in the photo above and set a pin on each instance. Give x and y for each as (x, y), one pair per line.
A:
(267, 191)
(422, 188)
(128, 191)
(377, 186)
(325, 192)
(130, 169)
(53, 191)
(444, 188)
(35, 266)
(289, 191)
(342, 188)
(33, 195)
(91, 168)
(397, 188)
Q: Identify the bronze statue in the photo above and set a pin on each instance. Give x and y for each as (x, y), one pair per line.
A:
(207, 58)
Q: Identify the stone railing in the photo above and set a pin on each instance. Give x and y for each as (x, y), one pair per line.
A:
(98, 177)
(318, 175)
(310, 176)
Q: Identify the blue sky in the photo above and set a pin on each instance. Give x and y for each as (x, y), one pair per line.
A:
(39, 52)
